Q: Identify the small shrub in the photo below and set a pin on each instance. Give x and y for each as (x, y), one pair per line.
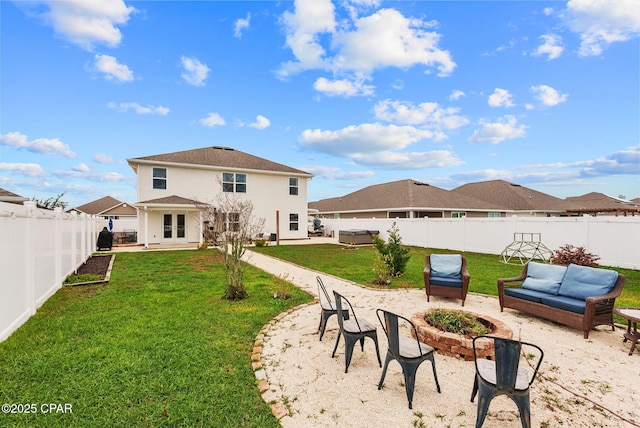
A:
(568, 254)
(458, 322)
(261, 242)
(380, 270)
(393, 253)
(282, 287)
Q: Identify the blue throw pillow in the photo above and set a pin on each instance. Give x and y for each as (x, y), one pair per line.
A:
(581, 282)
(544, 278)
(446, 265)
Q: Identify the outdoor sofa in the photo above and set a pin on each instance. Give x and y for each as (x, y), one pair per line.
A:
(577, 296)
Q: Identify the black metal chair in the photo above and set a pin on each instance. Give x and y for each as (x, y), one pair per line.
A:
(409, 352)
(505, 375)
(327, 307)
(353, 330)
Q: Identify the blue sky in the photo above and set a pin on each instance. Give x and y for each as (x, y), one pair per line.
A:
(540, 93)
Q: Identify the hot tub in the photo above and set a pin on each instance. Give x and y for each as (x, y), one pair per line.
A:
(357, 236)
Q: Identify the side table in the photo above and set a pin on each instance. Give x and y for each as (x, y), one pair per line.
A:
(632, 315)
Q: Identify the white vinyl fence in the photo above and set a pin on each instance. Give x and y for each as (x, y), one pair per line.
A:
(39, 249)
(616, 240)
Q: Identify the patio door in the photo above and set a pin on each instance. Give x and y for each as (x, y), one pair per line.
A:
(174, 227)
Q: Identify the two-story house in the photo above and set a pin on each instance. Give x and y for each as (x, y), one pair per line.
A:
(174, 189)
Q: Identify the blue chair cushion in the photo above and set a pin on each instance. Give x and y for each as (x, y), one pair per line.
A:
(525, 294)
(565, 303)
(544, 277)
(581, 282)
(446, 281)
(445, 265)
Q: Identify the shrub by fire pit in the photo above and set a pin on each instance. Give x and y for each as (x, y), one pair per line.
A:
(456, 344)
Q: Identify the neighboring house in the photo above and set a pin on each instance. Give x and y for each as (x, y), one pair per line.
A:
(123, 216)
(598, 203)
(515, 199)
(403, 199)
(413, 199)
(7, 196)
(175, 188)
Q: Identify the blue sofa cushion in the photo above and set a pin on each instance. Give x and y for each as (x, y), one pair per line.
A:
(544, 277)
(447, 281)
(523, 293)
(565, 303)
(581, 282)
(446, 265)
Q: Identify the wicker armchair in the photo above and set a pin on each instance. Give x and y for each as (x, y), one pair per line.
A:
(455, 286)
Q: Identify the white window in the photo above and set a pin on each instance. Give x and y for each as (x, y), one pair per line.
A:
(293, 186)
(458, 214)
(159, 178)
(293, 221)
(494, 215)
(234, 182)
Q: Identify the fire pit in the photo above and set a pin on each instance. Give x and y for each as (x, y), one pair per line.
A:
(457, 345)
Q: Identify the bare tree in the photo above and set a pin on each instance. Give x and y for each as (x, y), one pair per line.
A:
(232, 225)
(51, 203)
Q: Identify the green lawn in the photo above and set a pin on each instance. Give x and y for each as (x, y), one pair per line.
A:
(157, 346)
(356, 265)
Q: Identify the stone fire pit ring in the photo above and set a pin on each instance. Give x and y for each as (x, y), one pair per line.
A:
(457, 345)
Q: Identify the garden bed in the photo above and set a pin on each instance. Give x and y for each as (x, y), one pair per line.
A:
(95, 270)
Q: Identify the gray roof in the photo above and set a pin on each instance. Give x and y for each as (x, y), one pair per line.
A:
(501, 194)
(171, 200)
(599, 202)
(220, 157)
(7, 196)
(98, 206)
(397, 195)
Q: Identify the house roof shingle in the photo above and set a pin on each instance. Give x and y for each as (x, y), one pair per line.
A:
(599, 202)
(397, 195)
(218, 156)
(508, 196)
(98, 206)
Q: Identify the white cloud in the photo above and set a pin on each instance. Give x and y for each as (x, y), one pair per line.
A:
(359, 45)
(28, 169)
(240, 25)
(46, 146)
(212, 119)
(85, 23)
(547, 11)
(506, 128)
(82, 167)
(335, 173)
(409, 160)
(429, 115)
(602, 22)
(548, 96)
(342, 87)
(389, 39)
(552, 47)
(260, 123)
(102, 158)
(195, 73)
(108, 65)
(365, 138)
(500, 98)
(456, 95)
(139, 108)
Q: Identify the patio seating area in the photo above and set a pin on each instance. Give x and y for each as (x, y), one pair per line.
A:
(581, 382)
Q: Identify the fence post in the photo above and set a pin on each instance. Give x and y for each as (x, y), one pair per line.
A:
(58, 246)
(30, 264)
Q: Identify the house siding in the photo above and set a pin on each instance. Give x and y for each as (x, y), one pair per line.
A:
(268, 191)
